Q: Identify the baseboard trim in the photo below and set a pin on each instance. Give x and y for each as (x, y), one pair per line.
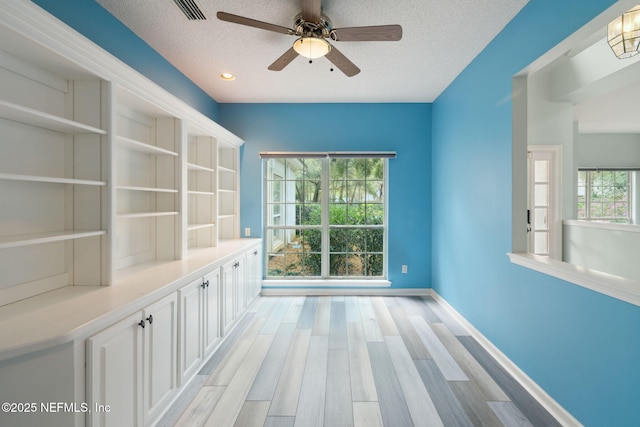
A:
(553, 407)
(345, 292)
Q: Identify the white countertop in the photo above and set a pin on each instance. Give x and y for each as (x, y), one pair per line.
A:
(74, 312)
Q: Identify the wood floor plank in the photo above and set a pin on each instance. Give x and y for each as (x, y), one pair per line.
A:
(445, 317)
(418, 400)
(369, 320)
(308, 313)
(201, 407)
(352, 310)
(446, 363)
(253, 413)
(277, 315)
(338, 409)
(387, 325)
(337, 326)
(279, 421)
(474, 403)
(227, 344)
(310, 411)
(509, 414)
(323, 316)
(230, 404)
(393, 406)
(363, 387)
(349, 373)
(469, 365)
(228, 366)
(178, 407)
(267, 306)
(367, 414)
(293, 314)
(287, 392)
(412, 341)
(266, 380)
(530, 407)
(451, 411)
(417, 305)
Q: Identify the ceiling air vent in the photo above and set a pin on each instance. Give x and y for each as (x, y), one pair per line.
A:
(191, 9)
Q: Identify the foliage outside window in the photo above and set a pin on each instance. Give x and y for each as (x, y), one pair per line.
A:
(604, 196)
(332, 217)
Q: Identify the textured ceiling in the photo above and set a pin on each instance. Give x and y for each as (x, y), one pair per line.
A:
(440, 38)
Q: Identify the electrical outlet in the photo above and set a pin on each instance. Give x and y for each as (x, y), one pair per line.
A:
(247, 232)
(404, 268)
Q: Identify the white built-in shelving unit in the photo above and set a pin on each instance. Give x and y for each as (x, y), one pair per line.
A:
(102, 172)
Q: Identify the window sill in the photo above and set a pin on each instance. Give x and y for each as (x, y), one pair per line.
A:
(621, 288)
(326, 283)
(603, 225)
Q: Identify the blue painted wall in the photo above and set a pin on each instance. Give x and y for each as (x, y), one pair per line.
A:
(582, 347)
(95, 23)
(404, 128)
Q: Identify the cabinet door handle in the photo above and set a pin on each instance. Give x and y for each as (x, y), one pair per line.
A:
(237, 264)
(255, 252)
(150, 319)
(141, 324)
(204, 284)
(207, 283)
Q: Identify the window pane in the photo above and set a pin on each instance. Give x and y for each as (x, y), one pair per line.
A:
(541, 243)
(541, 171)
(541, 219)
(296, 200)
(541, 195)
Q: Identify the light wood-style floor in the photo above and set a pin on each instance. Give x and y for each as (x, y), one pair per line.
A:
(353, 361)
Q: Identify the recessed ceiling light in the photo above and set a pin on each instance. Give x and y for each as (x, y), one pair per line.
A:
(227, 76)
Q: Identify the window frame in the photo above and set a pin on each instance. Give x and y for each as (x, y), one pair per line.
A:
(588, 192)
(325, 277)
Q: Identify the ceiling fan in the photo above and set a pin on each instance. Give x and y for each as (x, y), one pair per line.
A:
(313, 28)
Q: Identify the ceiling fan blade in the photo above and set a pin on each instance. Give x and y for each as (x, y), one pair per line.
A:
(235, 19)
(311, 10)
(339, 60)
(365, 34)
(284, 60)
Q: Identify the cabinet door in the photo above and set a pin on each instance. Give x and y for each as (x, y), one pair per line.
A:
(254, 275)
(211, 310)
(228, 294)
(191, 328)
(115, 374)
(160, 361)
(241, 300)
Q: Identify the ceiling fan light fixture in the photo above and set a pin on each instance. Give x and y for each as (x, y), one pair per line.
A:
(311, 47)
(623, 34)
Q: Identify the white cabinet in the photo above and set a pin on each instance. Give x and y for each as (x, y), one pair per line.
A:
(199, 322)
(232, 292)
(241, 284)
(253, 273)
(132, 366)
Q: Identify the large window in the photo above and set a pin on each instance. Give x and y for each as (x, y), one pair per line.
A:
(325, 217)
(604, 195)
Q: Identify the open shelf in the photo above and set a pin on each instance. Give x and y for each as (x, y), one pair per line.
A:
(150, 214)
(194, 227)
(150, 189)
(31, 117)
(49, 237)
(143, 147)
(195, 167)
(49, 179)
